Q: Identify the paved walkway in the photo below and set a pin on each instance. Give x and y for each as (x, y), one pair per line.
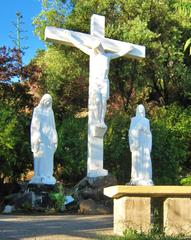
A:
(69, 227)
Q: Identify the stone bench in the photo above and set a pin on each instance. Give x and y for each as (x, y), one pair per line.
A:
(132, 208)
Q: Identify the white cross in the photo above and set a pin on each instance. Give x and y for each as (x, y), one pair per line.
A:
(111, 49)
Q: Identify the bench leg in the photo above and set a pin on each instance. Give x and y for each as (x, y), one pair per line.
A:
(132, 213)
(177, 216)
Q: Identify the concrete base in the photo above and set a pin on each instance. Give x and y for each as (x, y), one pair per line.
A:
(49, 180)
(177, 216)
(133, 213)
(141, 182)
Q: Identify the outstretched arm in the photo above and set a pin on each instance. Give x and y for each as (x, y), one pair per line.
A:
(78, 44)
(120, 53)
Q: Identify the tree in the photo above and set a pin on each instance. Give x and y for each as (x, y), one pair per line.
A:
(9, 67)
(17, 41)
(160, 78)
(15, 109)
(15, 156)
(184, 7)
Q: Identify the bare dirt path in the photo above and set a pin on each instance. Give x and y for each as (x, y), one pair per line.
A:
(69, 227)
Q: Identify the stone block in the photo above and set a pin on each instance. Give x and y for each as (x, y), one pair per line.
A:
(132, 213)
(99, 131)
(87, 206)
(177, 216)
(147, 191)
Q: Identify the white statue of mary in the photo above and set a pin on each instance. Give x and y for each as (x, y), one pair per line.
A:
(43, 141)
(140, 141)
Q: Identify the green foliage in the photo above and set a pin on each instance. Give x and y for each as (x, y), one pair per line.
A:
(187, 44)
(117, 156)
(57, 196)
(162, 79)
(171, 142)
(7, 139)
(62, 77)
(15, 155)
(183, 7)
(186, 181)
(71, 155)
(152, 235)
(52, 14)
(171, 156)
(134, 235)
(156, 24)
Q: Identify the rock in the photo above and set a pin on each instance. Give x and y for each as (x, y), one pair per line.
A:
(92, 188)
(24, 202)
(87, 206)
(50, 211)
(8, 209)
(35, 198)
(102, 182)
(8, 188)
(81, 183)
(20, 200)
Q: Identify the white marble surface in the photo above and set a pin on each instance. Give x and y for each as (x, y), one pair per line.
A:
(140, 141)
(43, 141)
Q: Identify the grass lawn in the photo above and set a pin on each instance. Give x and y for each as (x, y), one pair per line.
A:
(132, 235)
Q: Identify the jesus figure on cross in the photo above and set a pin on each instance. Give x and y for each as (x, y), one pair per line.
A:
(99, 71)
(101, 51)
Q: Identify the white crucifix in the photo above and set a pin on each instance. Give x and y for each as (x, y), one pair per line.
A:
(101, 50)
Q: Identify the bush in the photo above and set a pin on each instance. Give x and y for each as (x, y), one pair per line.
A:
(15, 155)
(57, 196)
(186, 181)
(71, 155)
(170, 154)
(117, 157)
(171, 129)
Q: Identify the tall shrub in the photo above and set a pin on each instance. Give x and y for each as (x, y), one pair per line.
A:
(71, 155)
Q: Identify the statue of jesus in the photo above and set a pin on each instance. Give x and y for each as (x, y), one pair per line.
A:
(99, 71)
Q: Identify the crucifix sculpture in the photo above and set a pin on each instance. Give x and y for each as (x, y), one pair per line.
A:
(101, 50)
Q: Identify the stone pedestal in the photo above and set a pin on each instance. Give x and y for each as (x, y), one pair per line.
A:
(50, 180)
(177, 216)
(40, 194)
(133, 213)
(95, 153)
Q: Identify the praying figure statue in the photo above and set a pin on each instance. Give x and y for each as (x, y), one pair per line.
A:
(43, 141)
(140, 141)
(99, 71)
